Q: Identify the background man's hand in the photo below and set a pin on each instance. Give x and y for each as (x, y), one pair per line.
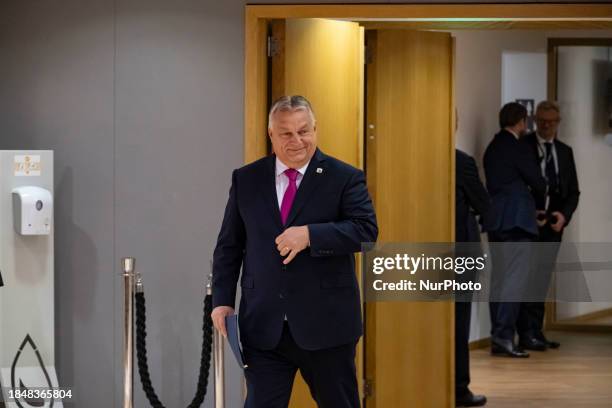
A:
(292, 241)
(218, 317)
(541, 217)
(558, 226)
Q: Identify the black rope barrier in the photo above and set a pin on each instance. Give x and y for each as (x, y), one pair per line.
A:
(141, 353)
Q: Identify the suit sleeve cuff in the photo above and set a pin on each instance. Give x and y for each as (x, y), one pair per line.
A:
(318, 244)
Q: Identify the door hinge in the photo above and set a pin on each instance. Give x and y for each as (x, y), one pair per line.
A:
(368, 388)
(273, 46)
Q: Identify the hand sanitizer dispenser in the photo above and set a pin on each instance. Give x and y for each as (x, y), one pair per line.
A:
(32, 210)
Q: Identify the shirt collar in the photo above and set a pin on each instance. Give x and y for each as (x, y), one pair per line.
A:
(541, 140)
(281, 167)
(512, 133)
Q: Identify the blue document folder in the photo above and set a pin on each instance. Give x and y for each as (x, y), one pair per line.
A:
(233, 338)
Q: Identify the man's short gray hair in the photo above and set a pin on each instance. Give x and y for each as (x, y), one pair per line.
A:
(548, 106)
(290, 103)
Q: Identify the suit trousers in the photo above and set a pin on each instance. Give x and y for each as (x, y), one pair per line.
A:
(463, 311)
(463, 315)
(330, 374)
(509, 281)
(531, 323)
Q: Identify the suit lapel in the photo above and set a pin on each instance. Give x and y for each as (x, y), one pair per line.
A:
(268, 190)
(533, 142)
(562, 160)
(315, 174)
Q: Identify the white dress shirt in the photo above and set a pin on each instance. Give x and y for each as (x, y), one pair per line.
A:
(282, 181)
(542, 154)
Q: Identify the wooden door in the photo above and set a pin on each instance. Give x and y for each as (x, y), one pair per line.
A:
(322, 60)
(410, 171)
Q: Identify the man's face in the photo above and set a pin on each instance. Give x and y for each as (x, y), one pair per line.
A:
(548, 123)
(294, 137)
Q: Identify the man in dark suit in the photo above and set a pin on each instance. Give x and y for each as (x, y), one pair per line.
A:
(513, 179)
(470, 198)
(556, 162)
(293, 221)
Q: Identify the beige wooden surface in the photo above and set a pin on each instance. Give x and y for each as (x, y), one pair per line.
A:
(409, 346)
(578, 374)
(569, 12)
(323, 63)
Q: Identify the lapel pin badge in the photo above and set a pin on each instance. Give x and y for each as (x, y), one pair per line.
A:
(319, 170)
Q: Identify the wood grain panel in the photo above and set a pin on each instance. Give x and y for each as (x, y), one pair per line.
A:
(357, 12)
(411, 343)
(256, 89)
(489, 25)
(323, 62)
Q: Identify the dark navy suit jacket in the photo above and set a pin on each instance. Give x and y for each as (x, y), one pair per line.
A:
(317, 291)
(569, 193)
(471, 198)
(513, 180)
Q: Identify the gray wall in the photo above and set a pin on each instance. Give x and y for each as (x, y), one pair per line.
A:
(178, 134)
(142, 102)
(56, 92)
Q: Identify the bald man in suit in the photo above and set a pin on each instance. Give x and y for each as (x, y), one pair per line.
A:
(293, 222)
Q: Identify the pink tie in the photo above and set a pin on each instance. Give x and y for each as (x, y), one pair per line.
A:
(289, 194)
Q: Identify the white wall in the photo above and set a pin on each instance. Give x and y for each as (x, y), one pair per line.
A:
(478, 77)
(478, 90)
(478, 83)
(523, 76)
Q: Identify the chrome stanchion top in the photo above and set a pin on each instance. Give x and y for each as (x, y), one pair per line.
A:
(128, 264)
(209, 285)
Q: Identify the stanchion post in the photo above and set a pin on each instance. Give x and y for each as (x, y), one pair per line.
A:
(218, 361)
(127, 266)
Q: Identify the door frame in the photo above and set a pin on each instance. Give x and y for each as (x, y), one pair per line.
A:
(434, 15)
(580, 322)
(427, 16)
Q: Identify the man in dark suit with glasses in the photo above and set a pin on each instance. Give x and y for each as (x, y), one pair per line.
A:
(556, 162)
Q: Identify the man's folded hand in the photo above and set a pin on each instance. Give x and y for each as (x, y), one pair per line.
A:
(292, 241)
